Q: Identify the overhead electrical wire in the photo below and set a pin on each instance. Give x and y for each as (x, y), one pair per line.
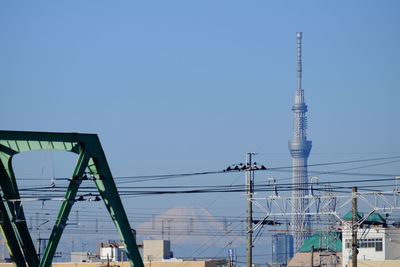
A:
(129, 191)
(140, 178)
(203, 173)
(53, 192)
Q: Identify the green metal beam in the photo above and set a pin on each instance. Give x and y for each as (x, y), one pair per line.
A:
(13, 247)
(108, 191)
(15, 212)
(92, 157)
(65, 209)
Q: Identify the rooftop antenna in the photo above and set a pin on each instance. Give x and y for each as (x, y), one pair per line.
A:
(299, 37)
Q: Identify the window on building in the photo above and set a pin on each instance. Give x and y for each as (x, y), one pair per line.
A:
(378, 244)
(366, 243)
(347, 243)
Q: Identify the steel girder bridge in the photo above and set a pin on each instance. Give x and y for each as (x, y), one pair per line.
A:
(91, 158)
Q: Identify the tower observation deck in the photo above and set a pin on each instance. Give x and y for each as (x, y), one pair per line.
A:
(300, 149)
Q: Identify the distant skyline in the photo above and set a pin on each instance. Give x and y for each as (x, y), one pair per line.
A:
(186, 86)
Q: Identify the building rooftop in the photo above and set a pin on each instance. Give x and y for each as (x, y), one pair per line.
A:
(331, 241)
(373, 219)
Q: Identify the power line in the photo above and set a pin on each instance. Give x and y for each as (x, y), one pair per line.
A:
(52, 192)
(140, 178)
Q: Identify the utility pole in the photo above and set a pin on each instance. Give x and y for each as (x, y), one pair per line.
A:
(249, 193)
(354, 227)
(249, 167)
(312, 256)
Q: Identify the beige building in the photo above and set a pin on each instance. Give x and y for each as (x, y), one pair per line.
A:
(156, 250)
(206, 263)
(387, 263)
(303, 259)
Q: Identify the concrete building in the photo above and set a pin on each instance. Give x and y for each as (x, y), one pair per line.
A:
(113, 251)
(156, 250)
(83, 256)
(376, 241)
(323, 248)
(203, 263)
(387, 263)
(303, 259)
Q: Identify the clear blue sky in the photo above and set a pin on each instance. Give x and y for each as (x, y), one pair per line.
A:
(178, 86)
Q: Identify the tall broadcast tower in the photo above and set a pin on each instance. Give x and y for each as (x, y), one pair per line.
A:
(300, 149)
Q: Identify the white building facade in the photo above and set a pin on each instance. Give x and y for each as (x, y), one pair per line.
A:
(376, 243)
(113, 251)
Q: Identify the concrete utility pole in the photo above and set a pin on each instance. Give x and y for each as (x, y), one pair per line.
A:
(249, 167)
(249, 192)
(354, 227)
(312, 256)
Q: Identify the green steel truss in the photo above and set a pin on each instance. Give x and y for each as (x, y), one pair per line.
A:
(92, 158)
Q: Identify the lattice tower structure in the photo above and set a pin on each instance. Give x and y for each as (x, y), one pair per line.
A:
(300, 149)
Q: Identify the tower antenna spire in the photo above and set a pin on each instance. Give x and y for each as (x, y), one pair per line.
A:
(299, 61)
(300, 149)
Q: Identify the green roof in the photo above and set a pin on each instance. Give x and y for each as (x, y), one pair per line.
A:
(374, 218)
(323, 241)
